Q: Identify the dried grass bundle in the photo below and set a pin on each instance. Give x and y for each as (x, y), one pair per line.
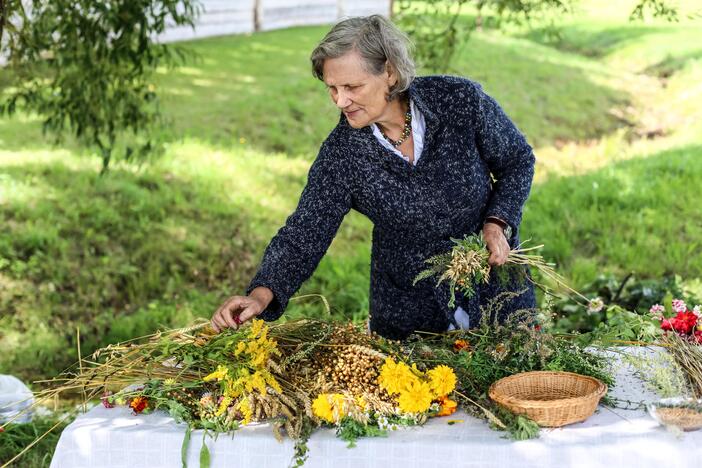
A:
(688, 355)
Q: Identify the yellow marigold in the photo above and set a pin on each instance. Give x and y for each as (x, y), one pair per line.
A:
(416, 398)
(329, 407)
(218, 375)
(322, 408)
(442, 380)
(394, 377)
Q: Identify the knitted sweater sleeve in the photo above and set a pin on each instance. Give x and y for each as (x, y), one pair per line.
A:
(295, 251)
(509, 157)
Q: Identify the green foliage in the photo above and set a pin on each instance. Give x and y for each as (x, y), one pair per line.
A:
(438, 28)
(519, 427)
(660, 372)
(351, 430)
(87, 67)
(624, 299)
(18, 436)
(657, 9)
(436, 32)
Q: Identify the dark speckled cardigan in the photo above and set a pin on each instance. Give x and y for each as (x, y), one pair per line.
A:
(415, 209)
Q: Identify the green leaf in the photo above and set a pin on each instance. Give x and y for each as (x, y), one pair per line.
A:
(185, 446)
(204, 453)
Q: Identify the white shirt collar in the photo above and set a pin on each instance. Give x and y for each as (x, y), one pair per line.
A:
(418, 129)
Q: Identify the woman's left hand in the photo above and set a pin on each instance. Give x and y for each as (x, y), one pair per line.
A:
(497, 243)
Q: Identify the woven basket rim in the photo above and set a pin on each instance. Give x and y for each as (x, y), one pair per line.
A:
(498, 397)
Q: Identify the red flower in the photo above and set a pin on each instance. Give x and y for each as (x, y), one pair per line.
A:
(667, 324)
(683, 323)
(686, 322)
(2, 429)
(139, 404)
(461, 345)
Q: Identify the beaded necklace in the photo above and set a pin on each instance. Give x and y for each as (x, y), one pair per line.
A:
(406, 131)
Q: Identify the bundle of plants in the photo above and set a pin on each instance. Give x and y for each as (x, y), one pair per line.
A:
(688, 356)
(466, 265)
(301, 375)
(296, 376)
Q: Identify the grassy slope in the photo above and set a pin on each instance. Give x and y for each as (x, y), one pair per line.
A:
(160, 245)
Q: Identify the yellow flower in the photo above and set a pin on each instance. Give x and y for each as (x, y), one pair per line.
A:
(270, 380)
(322, 408)
(257, 382)
(442, 380)
(258, 357)
(256, 327)
(223, 405)
(217, 375)
(245, 407)
(394, 377)
(240, 347)
(416, 398)
(329, 407)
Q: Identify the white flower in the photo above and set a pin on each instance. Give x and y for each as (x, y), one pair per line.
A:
(657, 311)
(679, 305)
(596, 305)
(697, 310)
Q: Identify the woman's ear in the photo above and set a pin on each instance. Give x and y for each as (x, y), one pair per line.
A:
(391, 74)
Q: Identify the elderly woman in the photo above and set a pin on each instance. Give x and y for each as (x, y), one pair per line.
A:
(425, 159)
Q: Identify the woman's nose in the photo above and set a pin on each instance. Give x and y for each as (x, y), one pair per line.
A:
(342, 100)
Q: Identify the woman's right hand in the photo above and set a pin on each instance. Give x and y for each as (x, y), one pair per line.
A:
(238, 309)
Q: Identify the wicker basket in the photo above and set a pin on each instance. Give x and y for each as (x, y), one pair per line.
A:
(551, 399)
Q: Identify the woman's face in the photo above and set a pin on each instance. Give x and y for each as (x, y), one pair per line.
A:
(360, 95)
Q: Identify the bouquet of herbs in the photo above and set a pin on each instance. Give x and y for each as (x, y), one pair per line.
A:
(466, 266)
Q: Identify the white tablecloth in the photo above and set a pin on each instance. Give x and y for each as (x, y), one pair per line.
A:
(610, 438)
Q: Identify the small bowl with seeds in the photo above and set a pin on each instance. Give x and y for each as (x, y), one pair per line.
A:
(680, 413)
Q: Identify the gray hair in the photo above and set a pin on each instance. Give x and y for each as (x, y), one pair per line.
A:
(377, 40)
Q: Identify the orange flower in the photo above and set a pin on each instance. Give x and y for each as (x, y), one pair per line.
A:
(448, 406)
(461, 345)
(139, 404)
